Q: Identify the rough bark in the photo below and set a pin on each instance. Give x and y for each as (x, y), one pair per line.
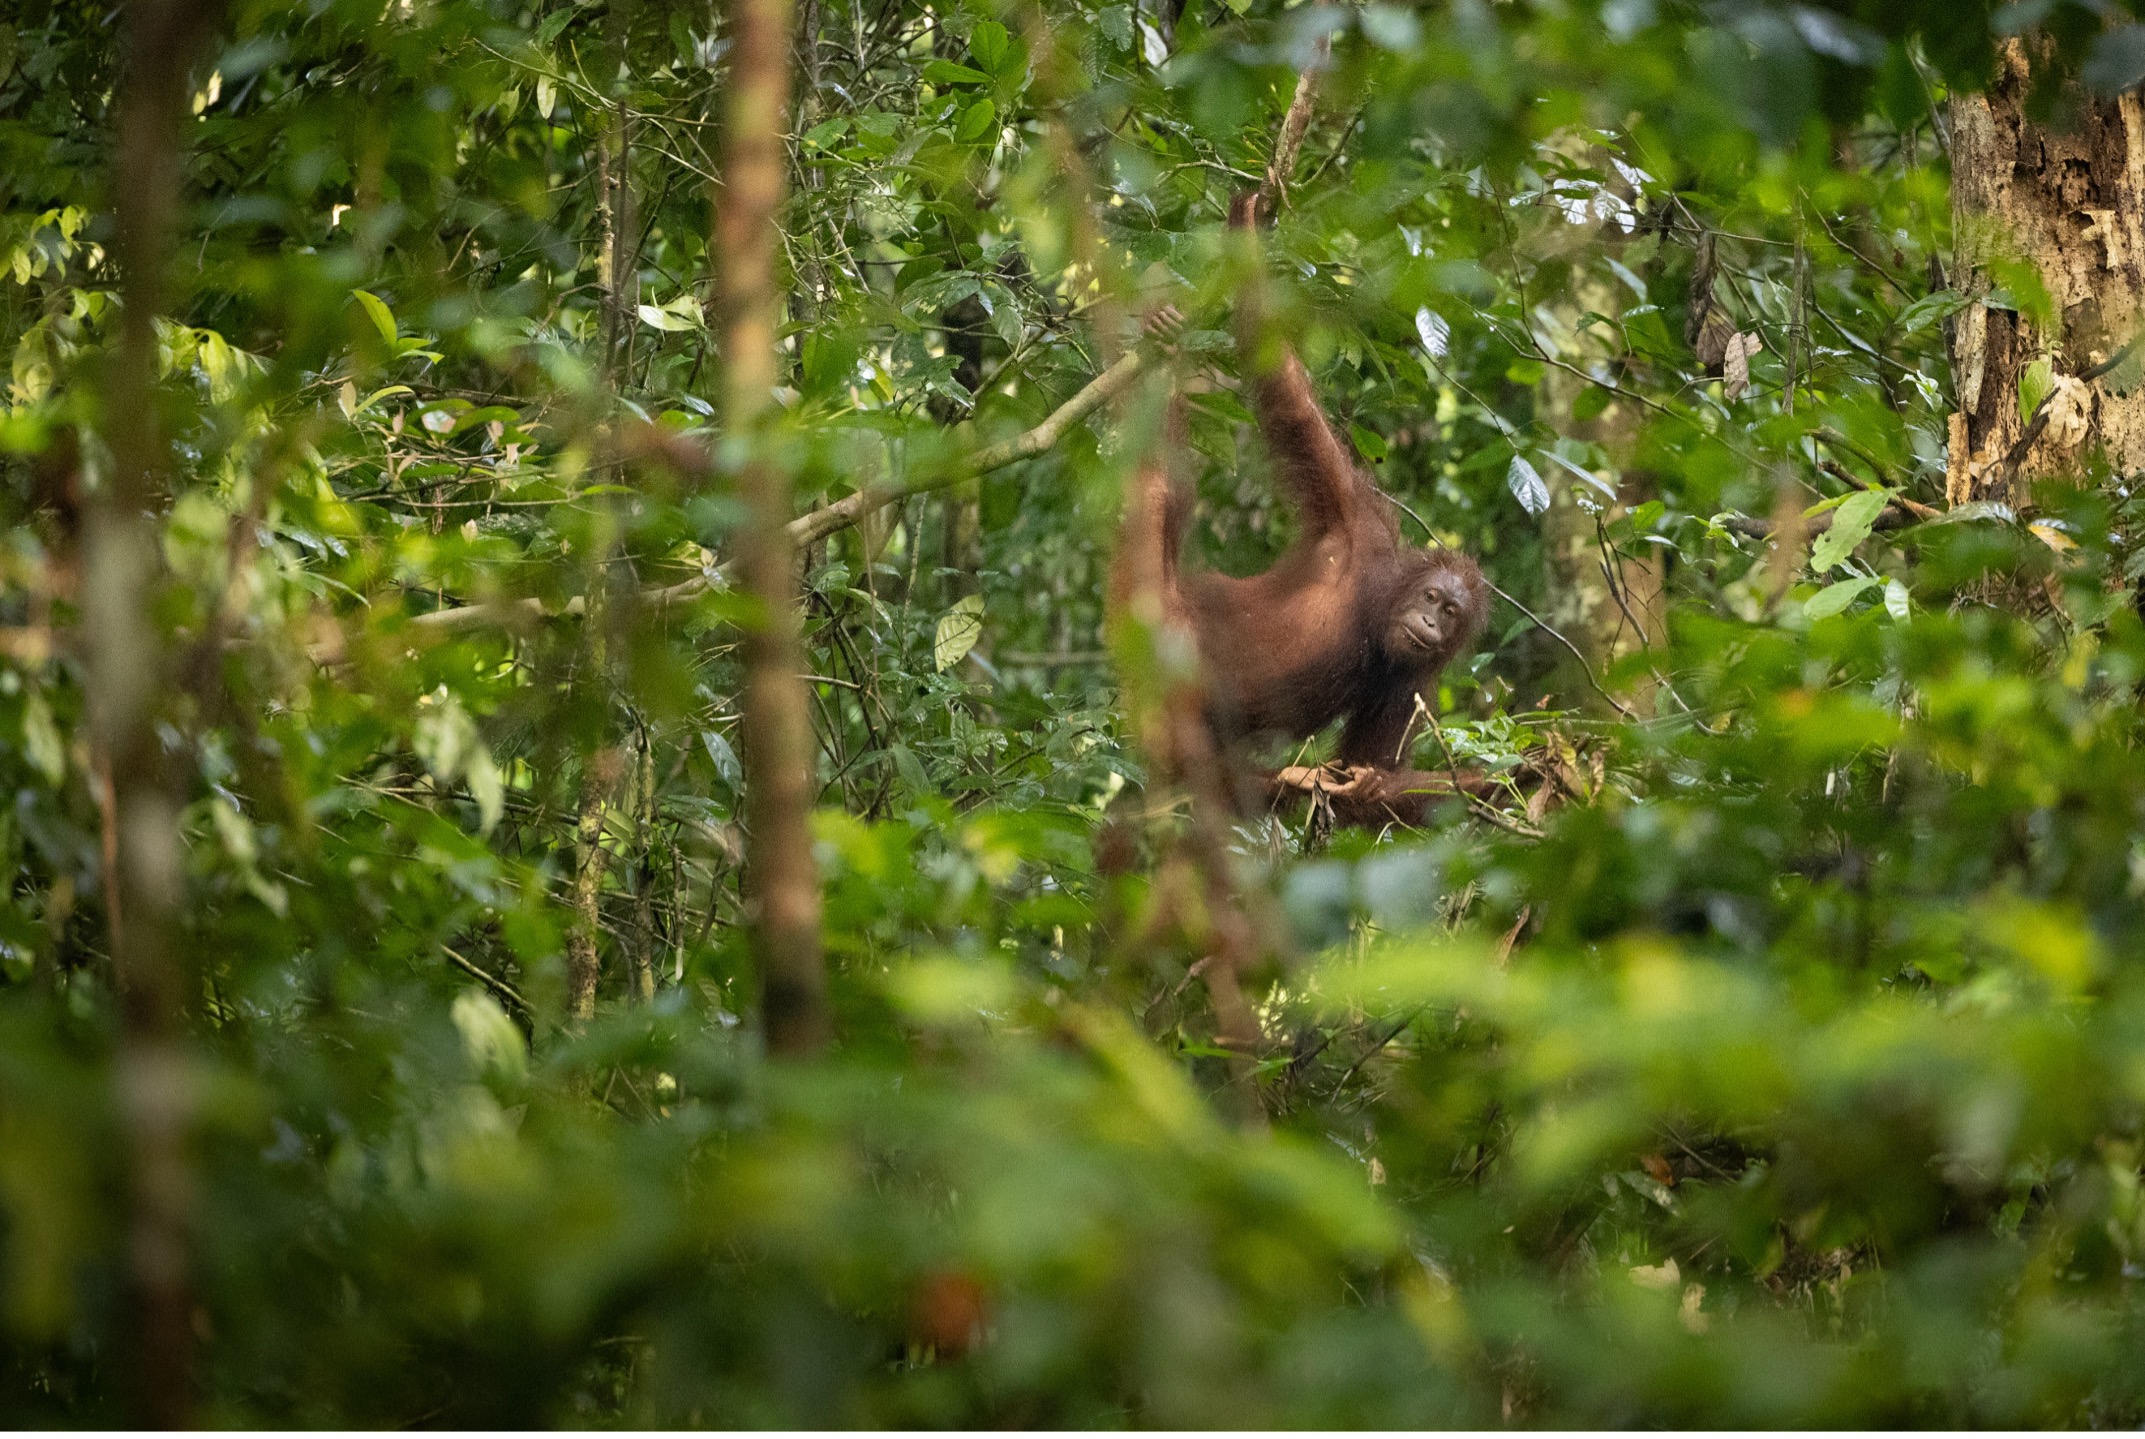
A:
(2072, 203)
(776, 722)
(127, 674)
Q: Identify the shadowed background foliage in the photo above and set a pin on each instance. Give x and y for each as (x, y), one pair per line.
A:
(1778, 1063)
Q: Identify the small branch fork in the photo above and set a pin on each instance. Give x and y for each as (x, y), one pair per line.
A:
(689, 458)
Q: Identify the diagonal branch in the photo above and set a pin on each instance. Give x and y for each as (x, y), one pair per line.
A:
(690, 459)
(1294, 124)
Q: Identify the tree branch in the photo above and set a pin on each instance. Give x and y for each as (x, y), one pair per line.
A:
(693, 461)
(1289, 142)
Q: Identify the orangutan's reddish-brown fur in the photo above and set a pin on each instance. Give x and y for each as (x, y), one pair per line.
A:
(1350, 623)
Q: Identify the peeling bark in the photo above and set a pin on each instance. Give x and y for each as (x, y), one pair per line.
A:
(2071, 202)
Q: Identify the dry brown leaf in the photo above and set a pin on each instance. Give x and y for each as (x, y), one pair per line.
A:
(1714, 335)
(1735, 363)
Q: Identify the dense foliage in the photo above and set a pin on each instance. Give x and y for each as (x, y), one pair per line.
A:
(1784, 1070)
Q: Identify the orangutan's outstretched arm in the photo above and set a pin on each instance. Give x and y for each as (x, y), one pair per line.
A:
(1320, 475)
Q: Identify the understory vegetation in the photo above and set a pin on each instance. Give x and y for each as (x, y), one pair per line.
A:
(385, 947)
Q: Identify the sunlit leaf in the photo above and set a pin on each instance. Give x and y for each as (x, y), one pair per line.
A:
(383, 319)
(1525, 483)
(1851, 525)
(958, 630)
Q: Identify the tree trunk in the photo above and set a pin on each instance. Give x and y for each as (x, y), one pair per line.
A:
(644, 836)
(2070, 204)
(125, 682)
(600, 773)
(1607, 603)
(776, 721)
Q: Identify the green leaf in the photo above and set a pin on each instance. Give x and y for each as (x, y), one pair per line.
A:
(1525, 483)
(1851, 524)
(1371, 444)
(664, 319)
(2021, 282)
(383, 319)
(989, 44)
(945, 72)
(977, 122)
(958, 630)
(1929, 309)
(2035, 384)
(1833, 598)
(723, 757)
(910, 768)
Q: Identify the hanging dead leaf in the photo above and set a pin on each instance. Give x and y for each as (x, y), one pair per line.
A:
(1735, 363)
(1711, 344)
(1691, 1313)
(1699, 299)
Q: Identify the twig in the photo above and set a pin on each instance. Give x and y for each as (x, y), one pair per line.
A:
(1546, 627)
(490, 981)
(817, 524)
(2038, 421)
(1476, 805)
(1274, 188)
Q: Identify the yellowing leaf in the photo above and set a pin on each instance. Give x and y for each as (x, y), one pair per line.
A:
(664, 319)
(958, 630)
(2052, 537)
(383, 319)
(41, 739)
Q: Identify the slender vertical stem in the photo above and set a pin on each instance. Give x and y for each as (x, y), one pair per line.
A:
(600, 774)
(644, 833)
(126, 677)
(776, 717)
(618, 225)
(1294, 125)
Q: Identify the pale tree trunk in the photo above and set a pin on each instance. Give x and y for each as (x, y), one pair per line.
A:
(645, 828)
(125, 681)
(776, 720)
(2072, 204)
(1607, 604)
(601, 770)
